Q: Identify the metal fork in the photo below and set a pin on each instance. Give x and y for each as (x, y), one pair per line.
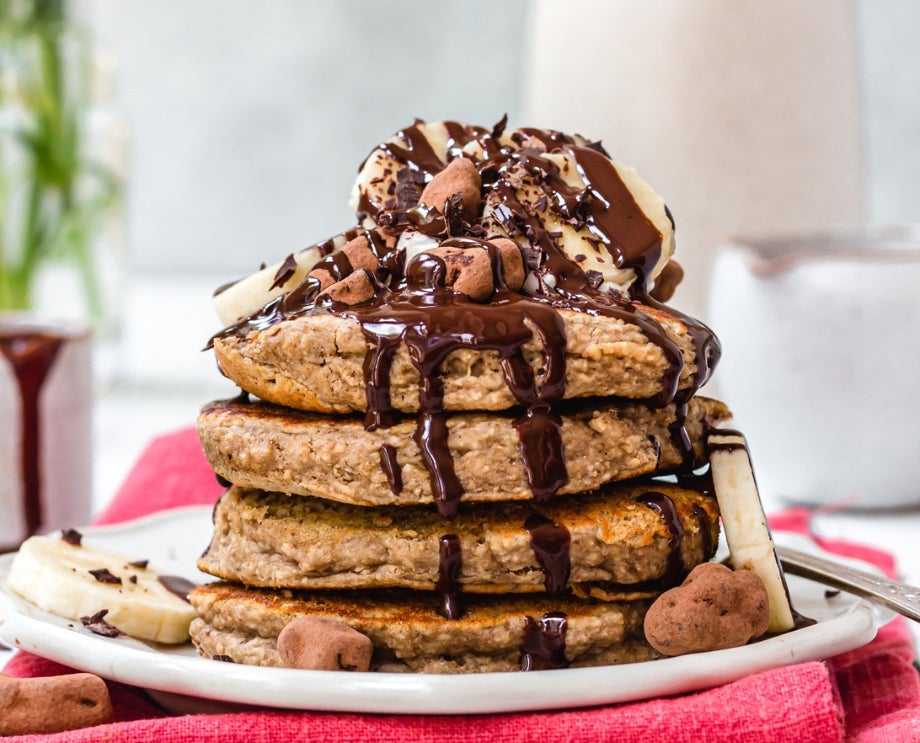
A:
(897, 596)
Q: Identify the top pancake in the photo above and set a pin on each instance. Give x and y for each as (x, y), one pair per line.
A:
(316, 363)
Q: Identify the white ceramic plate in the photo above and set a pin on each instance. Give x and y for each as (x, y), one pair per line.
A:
(172, 540)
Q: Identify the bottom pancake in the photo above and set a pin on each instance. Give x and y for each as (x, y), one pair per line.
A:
(408, 633)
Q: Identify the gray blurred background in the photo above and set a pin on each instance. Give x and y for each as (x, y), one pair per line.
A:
(248, 121)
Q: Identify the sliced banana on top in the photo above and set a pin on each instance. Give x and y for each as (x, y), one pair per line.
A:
(248, 295)
(744, 522)
(76, 581)
(520, 160)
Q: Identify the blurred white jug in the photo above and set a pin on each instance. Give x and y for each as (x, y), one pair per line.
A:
(821, 362)
(742, 114)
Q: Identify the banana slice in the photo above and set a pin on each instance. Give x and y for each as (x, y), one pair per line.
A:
(746, 531)
(252, 293)
(55, 575)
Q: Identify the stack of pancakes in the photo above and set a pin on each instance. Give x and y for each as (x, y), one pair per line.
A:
(463, 475)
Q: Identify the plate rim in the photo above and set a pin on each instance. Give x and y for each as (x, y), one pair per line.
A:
(407, 693)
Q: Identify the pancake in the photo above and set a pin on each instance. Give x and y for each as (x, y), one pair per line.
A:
(614, 536)
(409, 635)
(257, 445)
(316, 362)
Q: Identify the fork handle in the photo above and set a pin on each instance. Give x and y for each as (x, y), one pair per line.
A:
(897, 596)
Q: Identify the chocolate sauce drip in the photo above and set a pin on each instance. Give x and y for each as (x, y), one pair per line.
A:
(563, 284)
(416, 309)
(434, 324)
(540, 434)
(31, 356)
(550, 542)
(391, 468)
(613, 215)
(664, 506)
(177, 585)
(725, 445)
(680, 437)
(450, 566)
(705, 531)
(543, 645)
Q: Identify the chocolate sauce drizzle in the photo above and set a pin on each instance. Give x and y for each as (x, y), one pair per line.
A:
(543, 645)
(726, 446)
(31, 356)
(450, 567)
(664, 506)
(391, 468)
(432, 325)
(550, 542)
(707, 541)
(413, 309)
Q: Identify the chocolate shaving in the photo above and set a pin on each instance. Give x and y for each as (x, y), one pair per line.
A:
(597, 147)
(506, 218)
(540, 203)
(263, 265)
(454, 215)
(223, 658)
(532, 257)
(139, 564)
(407, 191)
(72, 536)
(287, 269)
(132, 579)
(581, 258)
(595, 278)
(670, 217)
(499, 127)
(97, 624)
(831, 593)
(104, 575)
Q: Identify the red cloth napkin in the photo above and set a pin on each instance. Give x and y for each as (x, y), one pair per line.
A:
(870, 695)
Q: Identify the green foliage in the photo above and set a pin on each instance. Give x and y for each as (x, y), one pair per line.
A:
(53, 199)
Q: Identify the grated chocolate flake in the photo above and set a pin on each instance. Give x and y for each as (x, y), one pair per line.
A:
(139, 564)
(285, 272)
(454, 215)
(223, 658)
(72, 536)
(595, 278)
(499, 127)
(407, 189)
(598, 147)
(97, 625)
(104, 575)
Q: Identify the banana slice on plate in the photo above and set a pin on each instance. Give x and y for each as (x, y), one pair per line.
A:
(78, 581)
(750, 542)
